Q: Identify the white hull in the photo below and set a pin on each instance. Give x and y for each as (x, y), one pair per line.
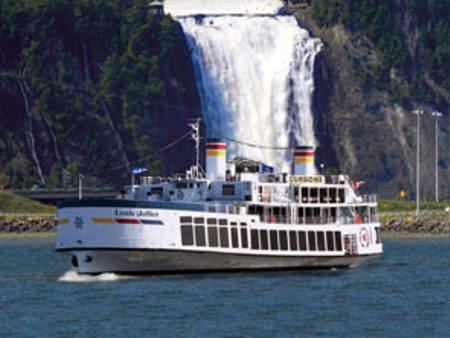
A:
(166, 261)
(149, 239)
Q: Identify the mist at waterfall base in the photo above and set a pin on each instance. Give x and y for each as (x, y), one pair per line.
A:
(405, 293)
(254, 72)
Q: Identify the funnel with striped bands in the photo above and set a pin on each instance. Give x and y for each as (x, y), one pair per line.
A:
(304, 160)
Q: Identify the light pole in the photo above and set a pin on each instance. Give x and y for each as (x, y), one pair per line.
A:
(418, 113)
(80, 186)
(436, 116)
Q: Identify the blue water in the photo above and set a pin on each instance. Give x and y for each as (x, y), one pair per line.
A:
(404, 293)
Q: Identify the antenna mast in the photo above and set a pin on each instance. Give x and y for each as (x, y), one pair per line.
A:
(195, 126)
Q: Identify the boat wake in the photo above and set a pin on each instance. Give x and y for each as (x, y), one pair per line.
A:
(72, 276)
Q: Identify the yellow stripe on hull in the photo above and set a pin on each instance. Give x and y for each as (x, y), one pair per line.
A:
(216, 153)
(63, 221)
(304, 160)
(103, 220)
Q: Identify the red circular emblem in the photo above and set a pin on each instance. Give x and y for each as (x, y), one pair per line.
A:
(364, 237)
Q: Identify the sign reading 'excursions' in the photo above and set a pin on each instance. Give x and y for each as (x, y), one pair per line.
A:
(306, 179)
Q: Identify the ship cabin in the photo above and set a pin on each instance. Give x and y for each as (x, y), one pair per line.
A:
(244, 186)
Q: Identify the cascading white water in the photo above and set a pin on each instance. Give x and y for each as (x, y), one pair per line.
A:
(254, 72)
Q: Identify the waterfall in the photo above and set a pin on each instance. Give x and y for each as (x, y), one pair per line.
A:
(254, 71)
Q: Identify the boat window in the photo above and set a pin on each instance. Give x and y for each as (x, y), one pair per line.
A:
(185, 219)
(305, 198)
(233, 224)
(234, 238)
(181, 185)
(255, 242)
(325, 215)
(251, 210)
(156, 191)
(332, 215)
(377, 234)
(296, 194)
(187, 236)
(200, 235)
(341, 194)
(338, 239)
(212, 221)
(212, 237)
(243, 224)
(312, 240)
(363, 213)
(314, 195)
(321, 240)
(244, 238)
(293, 240)
(199, 220)
(346, 216)
(264, 240)
(323, 192)
(333, 195)
(301, 215)
(330, 241)
(373, 215)
(309, 215)
(283, 240)
(228, 190)
(316, 216)
(273, 240)
(223, 221)
(302, 240)
(224, 243)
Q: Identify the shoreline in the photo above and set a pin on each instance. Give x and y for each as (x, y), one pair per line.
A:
(384, 235)
(392, 226)
(32, 235)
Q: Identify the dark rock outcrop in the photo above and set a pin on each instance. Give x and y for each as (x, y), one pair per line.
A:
(425, 225)
(361, 130)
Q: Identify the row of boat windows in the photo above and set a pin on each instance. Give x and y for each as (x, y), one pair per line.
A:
(319, 195)
(314, 215)
(237, 237)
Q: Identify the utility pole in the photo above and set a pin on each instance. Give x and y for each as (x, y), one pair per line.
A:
(418, 113)
(436, 116)
(195, 126)
(80, 186)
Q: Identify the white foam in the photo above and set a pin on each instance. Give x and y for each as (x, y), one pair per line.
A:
(72, 276)
(249, 7)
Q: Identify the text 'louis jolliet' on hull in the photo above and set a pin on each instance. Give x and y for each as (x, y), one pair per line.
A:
(236, 216)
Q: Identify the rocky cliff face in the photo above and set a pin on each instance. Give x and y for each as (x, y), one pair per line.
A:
(362, 130)
(91, 96)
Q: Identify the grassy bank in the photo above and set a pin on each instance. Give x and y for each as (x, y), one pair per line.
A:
(404, 206)
(12, 203)
(400, 234)
(37, 235)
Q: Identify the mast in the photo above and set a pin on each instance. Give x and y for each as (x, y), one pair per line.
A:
(195, 126)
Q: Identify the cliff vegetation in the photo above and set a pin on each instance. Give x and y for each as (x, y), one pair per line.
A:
(89, 86)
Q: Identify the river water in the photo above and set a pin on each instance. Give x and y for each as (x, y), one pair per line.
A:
(404, 293)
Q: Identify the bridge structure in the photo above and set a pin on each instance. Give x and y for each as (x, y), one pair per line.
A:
(54, 196)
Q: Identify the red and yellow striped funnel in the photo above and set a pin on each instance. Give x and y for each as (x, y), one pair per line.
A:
(304, 160)
(216, 158)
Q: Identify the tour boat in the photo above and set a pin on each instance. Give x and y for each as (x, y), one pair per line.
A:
(235, 216)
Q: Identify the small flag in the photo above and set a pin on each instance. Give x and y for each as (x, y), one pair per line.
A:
(137, 171)
(266, 169)
(356, 185)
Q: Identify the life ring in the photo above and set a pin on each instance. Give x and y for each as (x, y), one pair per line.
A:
(180, 195)
(364, 237)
